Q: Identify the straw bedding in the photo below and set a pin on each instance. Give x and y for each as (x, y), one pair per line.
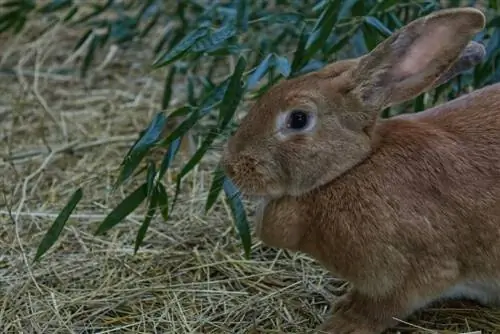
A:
(59, 132)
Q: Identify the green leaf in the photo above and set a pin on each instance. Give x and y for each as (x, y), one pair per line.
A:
(55, 5)
(243, 9)
(145, 224)
(385, 5)
(419, 103)
(233, 94)
(345, 10)
(70, 14)
(55, 230)
(259, 72)
(379, 26)
(322, 29)
(281, 18)
(183, 128)
(215, 188)
(283, 66)
(180, 49)
(212, 41)
(162, 200)
(167, 89)
(173, 148)
(495, 22)
(213, 98)
(298, 56)
(195, 159)
(239, 215)
(122, 210)
(150, 178)
(139, 150)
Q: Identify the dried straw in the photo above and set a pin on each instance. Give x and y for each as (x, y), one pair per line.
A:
(59, 132)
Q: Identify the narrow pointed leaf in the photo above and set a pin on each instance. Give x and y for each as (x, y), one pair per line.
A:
(139, 150)
(212, 41)
(282, 65)
(55, 230)
(259, 71)
(150, 178)
(379, 26)
(182, 128)
(172, 150)
(195, 159)
(323, 28)
(215, 188)
(239, 215)
(214, 97)
(167, 89)
(298, 56)
(55, 5)
(162, 200)
(233, 94)
(122, 210)
(243, 9)
(145, 224)
(181, 48)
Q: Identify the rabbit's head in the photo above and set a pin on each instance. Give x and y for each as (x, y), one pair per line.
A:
(308, 130)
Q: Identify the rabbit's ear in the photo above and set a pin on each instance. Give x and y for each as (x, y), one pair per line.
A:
(414, 58)
(472, 55)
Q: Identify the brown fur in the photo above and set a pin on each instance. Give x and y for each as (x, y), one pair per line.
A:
(407, 209)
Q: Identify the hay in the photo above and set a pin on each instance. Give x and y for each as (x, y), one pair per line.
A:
(59, 132)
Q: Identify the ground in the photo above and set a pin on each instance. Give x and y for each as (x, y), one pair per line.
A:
(59, 132)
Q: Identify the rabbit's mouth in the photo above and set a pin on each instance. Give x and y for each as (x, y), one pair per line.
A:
(257, 189)
(252, 177)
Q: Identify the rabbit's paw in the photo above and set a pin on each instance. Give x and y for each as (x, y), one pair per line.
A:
(355, 314)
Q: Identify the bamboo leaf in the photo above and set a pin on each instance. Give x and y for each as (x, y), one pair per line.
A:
(173, 148)
(213, 41)
(195, 159)
(167, 89)
(147, 221)
(322, 29)
(180, 49)
(140, 148)
(55, 230)
(298, 56)
(239, 215)
(215, 188)
(162, 200)
(259, 72)
(233, 94)
(55, 5)
(150, 178)
(122, 210)
(283, 66)
(379, 26)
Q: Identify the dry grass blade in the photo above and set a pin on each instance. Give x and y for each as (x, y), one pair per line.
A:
(190, 275)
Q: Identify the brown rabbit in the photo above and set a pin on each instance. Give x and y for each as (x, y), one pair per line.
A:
(408, 208)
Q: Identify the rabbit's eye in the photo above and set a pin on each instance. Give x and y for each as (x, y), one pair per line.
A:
(298, 120)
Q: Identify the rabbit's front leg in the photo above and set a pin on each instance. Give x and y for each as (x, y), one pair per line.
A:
(356, 313)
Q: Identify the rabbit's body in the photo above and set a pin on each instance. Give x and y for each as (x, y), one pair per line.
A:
(432, 195)
(407, 209)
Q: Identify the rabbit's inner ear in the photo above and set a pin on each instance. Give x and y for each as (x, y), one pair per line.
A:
(420, 54)
(412, 59)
